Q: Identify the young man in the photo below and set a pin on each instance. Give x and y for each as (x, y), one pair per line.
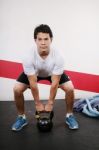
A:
(43, 63)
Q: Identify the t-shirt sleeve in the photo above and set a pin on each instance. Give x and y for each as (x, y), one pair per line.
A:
(28, 66)
(59, 65)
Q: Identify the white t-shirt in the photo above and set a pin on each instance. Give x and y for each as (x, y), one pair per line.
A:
(34, 64)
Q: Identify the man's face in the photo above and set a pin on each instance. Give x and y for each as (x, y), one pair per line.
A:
(43, 42)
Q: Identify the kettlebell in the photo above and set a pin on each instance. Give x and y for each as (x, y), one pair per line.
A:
(44, 120)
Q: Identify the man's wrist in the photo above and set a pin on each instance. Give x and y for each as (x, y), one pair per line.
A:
(51, 102)
(37, 102)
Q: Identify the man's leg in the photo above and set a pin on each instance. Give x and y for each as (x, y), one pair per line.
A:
(18, 89)
(69, 98)
(68, 88)
(21, 120)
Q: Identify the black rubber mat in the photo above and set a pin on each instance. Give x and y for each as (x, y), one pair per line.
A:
(60, 138)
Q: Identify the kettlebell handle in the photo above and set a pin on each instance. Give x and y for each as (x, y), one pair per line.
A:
(42, 114)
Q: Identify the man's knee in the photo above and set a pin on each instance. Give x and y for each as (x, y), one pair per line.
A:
(70, 89)
(19, 89)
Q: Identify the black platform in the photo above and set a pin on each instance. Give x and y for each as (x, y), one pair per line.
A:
(60, 138)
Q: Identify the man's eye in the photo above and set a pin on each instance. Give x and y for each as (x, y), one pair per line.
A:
(46, 39)
(39, 39)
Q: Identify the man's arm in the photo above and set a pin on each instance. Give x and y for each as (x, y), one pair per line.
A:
(34, 88)
(35, 92)
(54, 87)
(53, 91)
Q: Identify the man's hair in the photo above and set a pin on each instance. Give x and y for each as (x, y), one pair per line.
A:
(44, 29)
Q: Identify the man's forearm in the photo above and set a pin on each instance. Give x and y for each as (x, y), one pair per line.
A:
(35, 92)
(34, 88)
(53, 91)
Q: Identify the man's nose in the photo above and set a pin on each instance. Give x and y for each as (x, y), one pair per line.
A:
(43, 42)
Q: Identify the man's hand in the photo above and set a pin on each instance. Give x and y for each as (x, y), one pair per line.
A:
(49, 106)
(39, 106)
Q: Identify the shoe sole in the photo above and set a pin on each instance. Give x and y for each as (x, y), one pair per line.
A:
(13, 129)
(75, 128)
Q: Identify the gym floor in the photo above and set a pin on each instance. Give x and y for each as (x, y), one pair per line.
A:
(60, 137)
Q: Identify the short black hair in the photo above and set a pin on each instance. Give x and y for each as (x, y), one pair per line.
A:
(44, 29)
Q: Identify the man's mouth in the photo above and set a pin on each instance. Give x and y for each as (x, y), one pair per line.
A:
(43, 47)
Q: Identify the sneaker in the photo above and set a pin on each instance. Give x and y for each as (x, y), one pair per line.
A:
(71, 122)
(19, 124)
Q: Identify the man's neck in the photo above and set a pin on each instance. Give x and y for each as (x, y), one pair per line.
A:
(44, 56)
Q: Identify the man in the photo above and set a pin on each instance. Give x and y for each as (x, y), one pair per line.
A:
(43, 63)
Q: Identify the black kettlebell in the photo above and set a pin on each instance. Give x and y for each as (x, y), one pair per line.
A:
(44, 120)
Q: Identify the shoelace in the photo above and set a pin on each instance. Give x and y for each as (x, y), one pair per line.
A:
(72, 119)
(18, 120)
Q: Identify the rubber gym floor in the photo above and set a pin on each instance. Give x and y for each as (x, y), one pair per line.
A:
(59, 138)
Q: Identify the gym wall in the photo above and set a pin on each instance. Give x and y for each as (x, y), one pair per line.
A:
(75, 25)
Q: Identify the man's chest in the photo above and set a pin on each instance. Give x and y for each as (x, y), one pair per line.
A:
(47, 64)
